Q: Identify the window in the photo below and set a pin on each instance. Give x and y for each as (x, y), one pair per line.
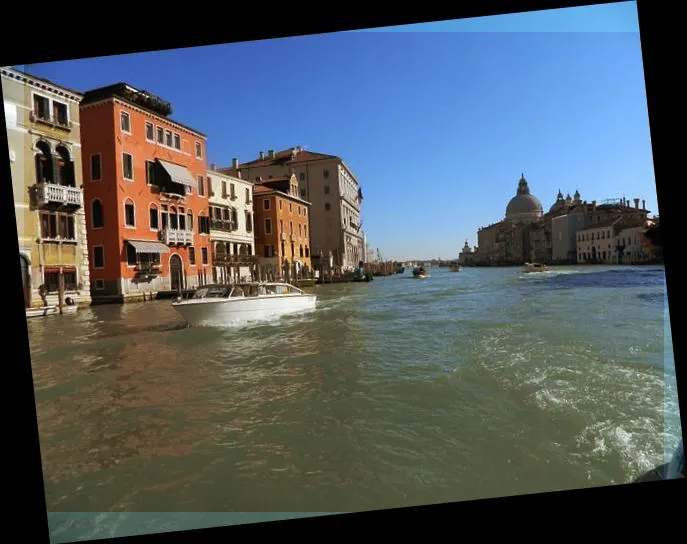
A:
(125, 122)
(192, 255)
(290, 208)
(201, 186)
(130, 255)
(268, 252)
(189, 220)
(96, 168)
(182, 219)
(97, 215)
(149, 132)
(177, 141)
(326, 174)
(41, 107)
(52, 280)
(98, 257)
(280, 204)
(173, 218)
(303, 193)
(307, 252)
(268, 226)
(57, 226)
(327, 206)
(60, 113)
(165, 217)
(128, 166)
(154, 218)
(299, 210)
(150, 173)
(249, 222)
(302, 176)
(129, 214)
(247, 195)
(224, 189)
(199, 151)
(204, 224)
(290, 227)
(160, 135)
(168, 136)
(266, 204)
(99, 285)
(204, 254)
(326, 189)
(232, 191)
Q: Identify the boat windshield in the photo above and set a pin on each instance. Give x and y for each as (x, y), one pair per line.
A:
(281, 289)
(211, 292)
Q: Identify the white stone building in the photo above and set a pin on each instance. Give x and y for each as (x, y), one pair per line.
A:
(232, 226)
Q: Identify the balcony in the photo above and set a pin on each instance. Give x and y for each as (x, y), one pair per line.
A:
(177, 237)
(147, 269)
(51, 195)
(223, 225)
(223, 259)
(53, 121)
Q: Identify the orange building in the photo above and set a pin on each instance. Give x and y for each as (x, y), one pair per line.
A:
(145, 196)
(282, 227)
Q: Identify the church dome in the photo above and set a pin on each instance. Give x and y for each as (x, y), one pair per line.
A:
(523, 205)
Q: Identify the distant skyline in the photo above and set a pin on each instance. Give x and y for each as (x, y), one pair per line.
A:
(437, 125)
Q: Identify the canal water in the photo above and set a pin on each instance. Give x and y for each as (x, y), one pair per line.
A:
(483, 383)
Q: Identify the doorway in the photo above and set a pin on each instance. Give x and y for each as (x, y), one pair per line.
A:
(25, 280)
(176, 271)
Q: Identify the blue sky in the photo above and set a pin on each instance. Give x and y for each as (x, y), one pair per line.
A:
(437, 121)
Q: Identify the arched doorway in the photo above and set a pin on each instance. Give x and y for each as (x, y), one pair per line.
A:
(25, 280)
(176, 271)
(593, 254)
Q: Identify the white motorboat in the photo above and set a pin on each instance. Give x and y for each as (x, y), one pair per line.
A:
(535, 267)
(226, 305)
(420, 273)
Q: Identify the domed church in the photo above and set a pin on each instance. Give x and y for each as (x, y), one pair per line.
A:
(524, 207)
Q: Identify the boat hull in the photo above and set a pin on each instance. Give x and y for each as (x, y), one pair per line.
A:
(237, 311)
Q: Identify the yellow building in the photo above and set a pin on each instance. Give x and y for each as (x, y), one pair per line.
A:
(43, 132)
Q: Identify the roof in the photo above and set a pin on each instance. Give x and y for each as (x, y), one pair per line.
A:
(282, 157)
(149, 102)
(261, 190)
(42, 79)
(603, 224)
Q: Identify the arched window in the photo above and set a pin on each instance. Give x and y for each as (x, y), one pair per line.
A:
(44, 163)
(189, 220)
(154, 218)
(301, 251)
(65, 167)
(97, 214)
(129, 213)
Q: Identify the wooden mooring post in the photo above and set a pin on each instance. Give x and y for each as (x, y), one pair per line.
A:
(60, 290)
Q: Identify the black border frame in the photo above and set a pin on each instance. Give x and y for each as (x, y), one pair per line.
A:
(623, 507)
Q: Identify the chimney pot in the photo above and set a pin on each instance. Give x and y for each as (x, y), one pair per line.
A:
(212, 166)
(270, 153)
(235, 162)
(636, 203)
(262, 155)
(644, 204)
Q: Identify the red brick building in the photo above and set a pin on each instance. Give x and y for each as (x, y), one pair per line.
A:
(145, 195)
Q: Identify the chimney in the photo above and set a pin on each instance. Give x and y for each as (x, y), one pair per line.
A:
(644, 204)
(262, 155)
(212, 166)
(636, 203)
(594, 206)
(238, 174)
(270, 153)
(234, 163)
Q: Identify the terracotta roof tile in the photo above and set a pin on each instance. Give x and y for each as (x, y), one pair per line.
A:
(281, 157)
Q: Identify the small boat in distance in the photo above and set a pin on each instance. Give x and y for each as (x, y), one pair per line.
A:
(419, 273)
(535, 267)
(220, 305)
(455, 267)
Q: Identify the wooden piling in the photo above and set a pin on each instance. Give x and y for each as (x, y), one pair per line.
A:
(60, 290)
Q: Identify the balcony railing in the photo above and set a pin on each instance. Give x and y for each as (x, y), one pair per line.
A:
(222, 224)
(222, 259)
(52, 121)
(49, 193)
(177, 236)
(147, 268)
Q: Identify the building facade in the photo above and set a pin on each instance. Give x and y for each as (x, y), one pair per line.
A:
(564, 230)
(282, 229)
(232, 235)
(595, 244)
(43, 132)
(331, 188)
(146, 196)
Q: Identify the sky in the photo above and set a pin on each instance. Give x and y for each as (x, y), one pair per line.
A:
(437, 121)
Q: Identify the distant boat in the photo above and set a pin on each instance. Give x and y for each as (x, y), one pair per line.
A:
(535, 267)
(420, 273)
(455, 267)
(219, 305)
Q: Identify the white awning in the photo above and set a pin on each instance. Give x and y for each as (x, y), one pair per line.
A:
(142, 246)
(178, 173)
